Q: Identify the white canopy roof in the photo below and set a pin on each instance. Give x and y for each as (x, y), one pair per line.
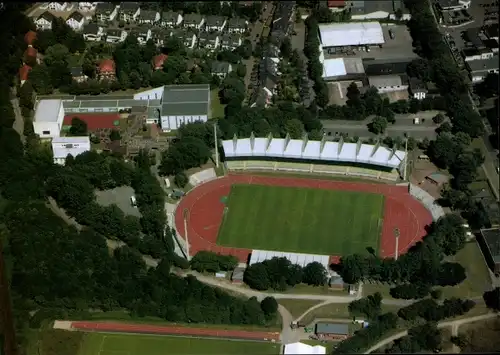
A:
(301, 259)
(351, 34)
(301, 348)
(313, 150)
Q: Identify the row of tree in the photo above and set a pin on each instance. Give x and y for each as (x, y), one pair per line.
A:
(432, 311)
(279, 274)
(212, 262)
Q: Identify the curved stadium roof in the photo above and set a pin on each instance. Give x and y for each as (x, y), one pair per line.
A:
(304, 149)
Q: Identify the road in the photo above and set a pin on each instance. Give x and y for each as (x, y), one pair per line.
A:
(404, 124)
(19, 120)
(457, 323)
(490, 160)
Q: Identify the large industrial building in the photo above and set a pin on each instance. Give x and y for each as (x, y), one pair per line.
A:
(168, 106)
(338, 37)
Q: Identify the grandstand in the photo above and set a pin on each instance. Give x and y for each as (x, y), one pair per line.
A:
(303, 155)
(301, 259)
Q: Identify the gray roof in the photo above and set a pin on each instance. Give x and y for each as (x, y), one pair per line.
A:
(160, 33)
(129, 7)
(481, 66)
(76, 15)
(492, 239)
(148, 15)
(47, 16)
(104, 8)
(237, 22)
(76, 72)
(207, 37)
(384, 80)
(170, 16)
(91, 28)
(368, 7)
(417, 85)
(186, 100)
(215, 21)
(231, 39)
(114, 32)
(332, 328)
(220, 67)
(238, 274)
(47, 110)
(353, 65)
(192, 19)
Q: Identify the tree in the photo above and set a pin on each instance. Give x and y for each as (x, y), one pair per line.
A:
(286, 47)
(186, 153)
(256, 277)
(114, 135)
(438, 119)
(492, 299)
(39, 76)
(378, 125)
(295, 128)
(181, 179)
(269, 307)
(78, 127)
(410, 291)
(314, 274)
(369, 306)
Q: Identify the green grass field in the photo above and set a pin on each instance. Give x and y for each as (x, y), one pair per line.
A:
(129, 344)
(301, 220)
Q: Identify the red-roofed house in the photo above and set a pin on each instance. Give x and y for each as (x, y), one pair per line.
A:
(335, 4)
(159, 60)
(107, 69)
(30, 56)
(30, 37)
(23, 73)
(95, 122)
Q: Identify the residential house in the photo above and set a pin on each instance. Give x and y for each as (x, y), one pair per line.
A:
(271, 51)
(268, 77)
(479, 69)
(282, 20)
(150, 17)
(129, 11)
(208, 40)
(221, 69)
(24, 73)
(115, 35)
(44, 21)
(75, 21)
(106, 70)
(30, 56)
(230, 41)
(215, 23)
(237, 25)
(92, 32)
(188, 38)
(58, 6)
(77, 74)
(158, 35)
(193, 21)
(142, 33)
(87, 6)
(29, 38)
(170, 19)
(417, 89)
(388, 83)
(158, 61)
(106, 11)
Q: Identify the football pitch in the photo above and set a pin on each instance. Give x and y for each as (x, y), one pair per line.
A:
(302, 220)
(131, 344)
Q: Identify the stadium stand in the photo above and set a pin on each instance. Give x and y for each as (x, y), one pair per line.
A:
(427, 200)
(301, 259)
(374, 161)
(202, 176)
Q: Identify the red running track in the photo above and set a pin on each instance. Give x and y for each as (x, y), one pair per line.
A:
(205, 210)
(171, 330)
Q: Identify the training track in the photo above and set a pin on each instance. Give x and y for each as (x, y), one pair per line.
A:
(115, 327)
(205, 210)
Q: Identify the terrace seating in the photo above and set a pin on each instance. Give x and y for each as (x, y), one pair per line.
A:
(329, 169)
(287, 166)
(353, 170)
(235, 165)
(390, 176)
(260, 164)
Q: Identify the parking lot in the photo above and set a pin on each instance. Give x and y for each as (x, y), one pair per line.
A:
(119, 196)
(398, 47)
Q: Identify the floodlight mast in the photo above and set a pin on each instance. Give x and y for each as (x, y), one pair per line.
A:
(186, 212)
(216, 146)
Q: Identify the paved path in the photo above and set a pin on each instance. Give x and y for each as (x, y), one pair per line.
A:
(457, 323)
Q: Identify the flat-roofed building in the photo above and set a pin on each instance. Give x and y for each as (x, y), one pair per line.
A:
(388, 83)
(479, 69)
(64, 146)
(333, 331)
(343, 69)
(49, 116)
(490, 245)
(350, 34)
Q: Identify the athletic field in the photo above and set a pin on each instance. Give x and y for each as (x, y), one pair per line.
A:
(130, 344)
(305, 220)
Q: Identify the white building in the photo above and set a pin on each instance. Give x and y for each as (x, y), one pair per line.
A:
(351, 34)
(301, 348)
(75, 21)
(87, 6)
(64, 146)
(49, 116)
(44, 21)
(388, 83)
(58, 6)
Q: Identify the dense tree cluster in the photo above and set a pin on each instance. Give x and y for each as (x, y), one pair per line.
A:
(421, 264)
(311, 50)
(426, 337)
(279, 274)
(212, 262)
(368, 307)
(430, 310)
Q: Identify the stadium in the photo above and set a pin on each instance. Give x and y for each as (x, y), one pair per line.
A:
(259, 210)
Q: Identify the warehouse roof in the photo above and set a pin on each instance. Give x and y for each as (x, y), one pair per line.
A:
(62, 146)
(342, 66)
(351, 34)
(301, 348)
(313, 150)
(483, 65)
(301, 259)
(47, 110)
(189, 100)
(332, 328)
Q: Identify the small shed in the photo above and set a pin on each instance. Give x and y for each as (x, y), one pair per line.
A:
(237, 276)
(437, 178)
(221, 275)
(332, 331)
(336, 282)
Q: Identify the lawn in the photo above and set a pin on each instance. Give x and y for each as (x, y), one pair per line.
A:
(129, 344)
(301, 220)
(216, 108)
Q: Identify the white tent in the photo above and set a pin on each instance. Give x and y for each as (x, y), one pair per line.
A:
(301, 348)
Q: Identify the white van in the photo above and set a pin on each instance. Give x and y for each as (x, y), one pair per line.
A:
(423, 157)
(167, 183)
(133, 201)
(465, 225)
